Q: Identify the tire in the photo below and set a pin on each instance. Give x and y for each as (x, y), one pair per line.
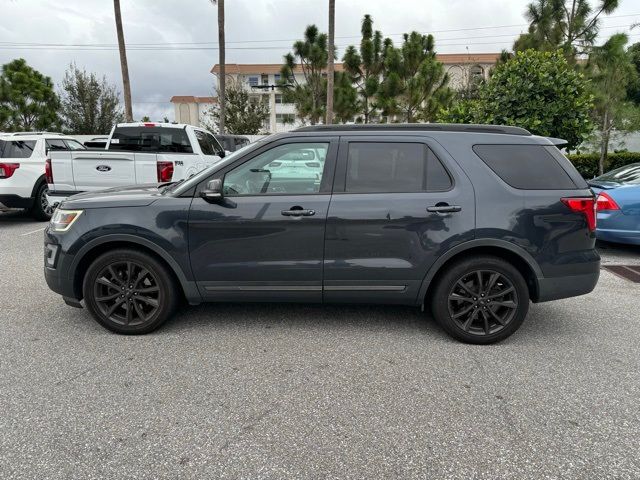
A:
(480, 315)
(40, 210)
(133, 307)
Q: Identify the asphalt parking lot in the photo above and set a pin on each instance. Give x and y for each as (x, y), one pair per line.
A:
(299, 391)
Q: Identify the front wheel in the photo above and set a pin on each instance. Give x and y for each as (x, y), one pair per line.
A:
(41, 209)
(481, 300)
(129, 292)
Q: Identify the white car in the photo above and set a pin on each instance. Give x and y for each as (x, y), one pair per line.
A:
(136, 153)
(22, 169)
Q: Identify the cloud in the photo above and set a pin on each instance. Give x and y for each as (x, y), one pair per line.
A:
(251, 27)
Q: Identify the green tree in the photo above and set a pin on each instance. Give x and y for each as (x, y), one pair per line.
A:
(345, 105)
(27, 99)
(535, 90)
(633, 89)
(612, 70)
(415, 84)
(570, 25)
(243, 115)
(311, 55)
(88, 104)
(365, 66)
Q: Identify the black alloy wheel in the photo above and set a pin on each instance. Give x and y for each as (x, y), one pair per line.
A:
(483, 302)
(129, 291)
(481, 299)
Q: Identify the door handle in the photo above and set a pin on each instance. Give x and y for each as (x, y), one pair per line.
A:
(444, 208)
(298, 213)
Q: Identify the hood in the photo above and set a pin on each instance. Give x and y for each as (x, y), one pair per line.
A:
(129, 196)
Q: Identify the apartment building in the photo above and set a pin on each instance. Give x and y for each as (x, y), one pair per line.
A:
(261, 79)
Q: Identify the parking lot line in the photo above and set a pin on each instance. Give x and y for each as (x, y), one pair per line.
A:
(34, 231)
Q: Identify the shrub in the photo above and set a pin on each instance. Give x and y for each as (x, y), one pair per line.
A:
(587, 163)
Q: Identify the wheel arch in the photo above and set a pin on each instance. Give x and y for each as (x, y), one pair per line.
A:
(514, 254)
(93, 249)
(36, 185)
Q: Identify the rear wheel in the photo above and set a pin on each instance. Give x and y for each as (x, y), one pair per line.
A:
(41, 210)
(129, 292)
(481, 300)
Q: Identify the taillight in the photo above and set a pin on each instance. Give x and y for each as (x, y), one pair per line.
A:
(584, 205)
(48, 171)
(165, 171)
(7, 169)
(605, 202)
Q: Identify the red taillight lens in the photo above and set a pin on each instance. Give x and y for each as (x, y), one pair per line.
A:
(48, 171)
(165, 171)
(7, 169)
(584, 205)
(605, 202)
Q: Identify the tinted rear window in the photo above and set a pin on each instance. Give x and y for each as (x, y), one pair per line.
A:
(17, 148)
(151, 139)
(527, 167)
(382, 167)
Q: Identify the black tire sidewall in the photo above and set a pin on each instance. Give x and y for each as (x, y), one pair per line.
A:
(161, 273)
(440, 303)
(37, 211)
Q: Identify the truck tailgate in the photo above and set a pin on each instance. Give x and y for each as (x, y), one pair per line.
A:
(97, 170)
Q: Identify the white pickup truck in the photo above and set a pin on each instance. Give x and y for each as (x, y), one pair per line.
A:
(136, 153)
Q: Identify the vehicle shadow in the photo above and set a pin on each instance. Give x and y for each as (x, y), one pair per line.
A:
(301, 317)
(16, 217)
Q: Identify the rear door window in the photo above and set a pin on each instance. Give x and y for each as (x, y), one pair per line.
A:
(205, 144)
(526, 167)
(387, 167)
(54, 144)
(151, 140)
(17, 148)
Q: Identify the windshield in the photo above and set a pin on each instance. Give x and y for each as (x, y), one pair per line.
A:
(629, 174)
(198, 177)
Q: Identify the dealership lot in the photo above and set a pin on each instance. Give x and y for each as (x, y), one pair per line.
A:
(268, 391)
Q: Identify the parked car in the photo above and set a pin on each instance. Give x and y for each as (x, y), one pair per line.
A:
(472, 221)
(22, 169)
(618, 204)
(136, 153)
(231, 143)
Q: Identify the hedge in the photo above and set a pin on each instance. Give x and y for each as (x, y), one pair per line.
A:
(587, 163)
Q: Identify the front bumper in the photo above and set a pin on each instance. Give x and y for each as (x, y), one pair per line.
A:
(56, 272)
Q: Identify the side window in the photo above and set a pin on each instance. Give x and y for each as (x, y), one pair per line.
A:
(527, 167)
(205, 144)
(217, 148)
(56, 145)
(73, 145)
(378, 167)
(18, 149)
(294, 169)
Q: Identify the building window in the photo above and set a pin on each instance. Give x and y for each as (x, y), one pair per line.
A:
(278, 98)
(285, 118)
(476, 72)
(276, 78)
(253, 81)
(265, 79)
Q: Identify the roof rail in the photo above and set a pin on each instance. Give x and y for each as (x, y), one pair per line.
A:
(36, 133)
(438, 127)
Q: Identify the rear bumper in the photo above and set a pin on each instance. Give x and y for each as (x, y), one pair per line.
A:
(55, 198)
(15, 201)
(564, 287)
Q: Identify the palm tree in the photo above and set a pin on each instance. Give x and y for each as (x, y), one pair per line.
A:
(221, 62)
(330, 66)
(123, 63)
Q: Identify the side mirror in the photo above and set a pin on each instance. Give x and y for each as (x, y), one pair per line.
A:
(213, 190)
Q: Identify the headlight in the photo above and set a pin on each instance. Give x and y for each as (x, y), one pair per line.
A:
(63, 219)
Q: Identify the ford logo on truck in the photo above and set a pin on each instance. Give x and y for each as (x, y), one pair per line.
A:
(103, 168)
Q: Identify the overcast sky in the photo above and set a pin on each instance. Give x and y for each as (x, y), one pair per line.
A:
(258, 31)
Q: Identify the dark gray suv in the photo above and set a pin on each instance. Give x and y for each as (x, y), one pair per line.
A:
(472, 221)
